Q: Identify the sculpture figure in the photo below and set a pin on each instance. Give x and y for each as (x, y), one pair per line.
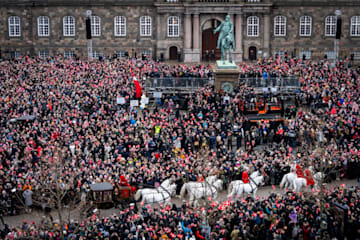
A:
(226, 38)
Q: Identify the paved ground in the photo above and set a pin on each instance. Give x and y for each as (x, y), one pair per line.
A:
(36, 216)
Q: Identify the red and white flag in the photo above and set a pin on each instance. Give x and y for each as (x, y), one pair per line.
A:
(137, 85)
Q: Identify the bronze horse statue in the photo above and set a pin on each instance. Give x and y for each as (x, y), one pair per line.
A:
(227, 43)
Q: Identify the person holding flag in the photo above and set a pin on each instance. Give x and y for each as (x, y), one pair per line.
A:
(137, 85)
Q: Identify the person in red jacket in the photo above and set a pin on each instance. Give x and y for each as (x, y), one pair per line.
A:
(124, 182)
(245, 177)
(198, 235)
(299, 171)
(309, 178)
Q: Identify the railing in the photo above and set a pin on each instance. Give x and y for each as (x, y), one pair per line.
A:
(174, 84)
(272, 82)
(192, 83)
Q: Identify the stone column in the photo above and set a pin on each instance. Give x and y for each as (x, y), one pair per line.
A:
(158, 28)
(158, 36)
(187, 31)
(266, 35)
(238, 38)
(196, 44)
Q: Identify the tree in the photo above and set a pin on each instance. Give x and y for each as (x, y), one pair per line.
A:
(56, 187)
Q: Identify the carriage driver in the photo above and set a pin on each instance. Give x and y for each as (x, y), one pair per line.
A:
(124, 182)
(309, 178)
(299, 171)
(245, 177)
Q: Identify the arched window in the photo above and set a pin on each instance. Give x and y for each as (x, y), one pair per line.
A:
(355, 26)
(145, 26)
(330, 25)
(253, 26)
(69, 26)
(14, 26)
(43, 26)
(280, 26)
(305, 26)
(173, 26)
(95, 26)
(120, 26)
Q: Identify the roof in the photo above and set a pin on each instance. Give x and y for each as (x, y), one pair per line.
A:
(106, 186)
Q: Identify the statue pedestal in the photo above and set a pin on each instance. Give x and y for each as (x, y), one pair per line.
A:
(226, 77)
(225, 64)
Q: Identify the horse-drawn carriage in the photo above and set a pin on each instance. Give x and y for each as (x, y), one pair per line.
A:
(105, 195)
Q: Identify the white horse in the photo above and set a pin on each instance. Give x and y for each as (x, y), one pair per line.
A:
(319, 177)
(163, 187)
(211, 179)
(288, 180)
(292, 181)
(159, 197)
(299, 184)
(236, 182)
(248, 188)
(198, 190)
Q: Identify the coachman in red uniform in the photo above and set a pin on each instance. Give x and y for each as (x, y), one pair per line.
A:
(299, 171)
(124, 182)
(309, 178)
(245, 177)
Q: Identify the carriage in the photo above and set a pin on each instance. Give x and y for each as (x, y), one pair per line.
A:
(105, 195)
(122, 195)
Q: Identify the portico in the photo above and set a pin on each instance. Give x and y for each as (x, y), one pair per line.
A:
(197, 22)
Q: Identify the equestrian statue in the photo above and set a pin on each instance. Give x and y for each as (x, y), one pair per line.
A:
(226, 38)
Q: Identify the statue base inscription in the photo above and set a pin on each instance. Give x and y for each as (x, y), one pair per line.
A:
(225, 64)
(226, 78)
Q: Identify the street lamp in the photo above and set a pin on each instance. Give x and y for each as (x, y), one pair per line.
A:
(89, 35)
(337, 35)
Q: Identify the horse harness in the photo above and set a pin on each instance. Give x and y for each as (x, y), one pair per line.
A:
(252, 189)
(257, 185)
(162, 193)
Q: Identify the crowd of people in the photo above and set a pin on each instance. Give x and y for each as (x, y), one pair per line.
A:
(288, 216)
(80, 136)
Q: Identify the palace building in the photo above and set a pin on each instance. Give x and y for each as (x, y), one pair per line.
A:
(179, 29)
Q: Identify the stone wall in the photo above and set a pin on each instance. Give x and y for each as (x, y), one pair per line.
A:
(317, 43)
(57, 43)
(159, 43)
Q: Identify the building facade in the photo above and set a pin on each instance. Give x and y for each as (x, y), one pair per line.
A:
(179, 29)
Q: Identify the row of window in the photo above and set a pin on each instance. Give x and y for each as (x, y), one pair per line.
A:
(331, 55)
(95, 54)
(173, 26)
(305, 26)
(43, 24)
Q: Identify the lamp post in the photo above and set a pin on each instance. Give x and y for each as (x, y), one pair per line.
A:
(89, 37)
(337, 35)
